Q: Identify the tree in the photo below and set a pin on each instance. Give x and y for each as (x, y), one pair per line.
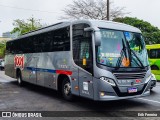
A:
(151, 33)
(22, 26)
(91, 9)
(2, 48)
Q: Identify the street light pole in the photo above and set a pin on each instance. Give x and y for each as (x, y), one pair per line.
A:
(107, 9)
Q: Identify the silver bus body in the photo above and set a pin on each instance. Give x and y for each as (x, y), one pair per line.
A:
(49, 68)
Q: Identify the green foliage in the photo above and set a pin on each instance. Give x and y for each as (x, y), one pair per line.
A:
(2, 49)
(151, 33)
(22, 26)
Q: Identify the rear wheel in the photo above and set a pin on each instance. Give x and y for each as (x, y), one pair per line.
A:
(19, 78)
(66, 90)
(154, 67)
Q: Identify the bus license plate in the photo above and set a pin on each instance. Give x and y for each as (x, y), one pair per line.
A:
(132, 90)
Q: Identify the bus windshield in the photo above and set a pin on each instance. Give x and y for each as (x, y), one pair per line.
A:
(126, 48)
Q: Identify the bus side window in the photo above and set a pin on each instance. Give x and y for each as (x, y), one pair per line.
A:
(148, 53)
(84, 50)
(8, 47)
(61, 39)
(82, 47)
(155, 53)
(158, 53)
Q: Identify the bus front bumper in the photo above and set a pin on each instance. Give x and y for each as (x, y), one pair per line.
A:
(108, 98)
(107, 92)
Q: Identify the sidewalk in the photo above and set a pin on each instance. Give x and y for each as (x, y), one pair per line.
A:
(4, 78)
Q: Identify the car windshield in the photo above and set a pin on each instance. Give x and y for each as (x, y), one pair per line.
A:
(121, 49)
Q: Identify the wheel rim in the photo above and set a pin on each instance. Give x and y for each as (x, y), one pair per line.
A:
(67, 89)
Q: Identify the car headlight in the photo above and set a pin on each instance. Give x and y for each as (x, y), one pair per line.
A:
(108, 80)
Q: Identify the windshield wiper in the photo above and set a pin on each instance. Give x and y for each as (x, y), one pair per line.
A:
(123, 51)
(141, 64)
(119, 62)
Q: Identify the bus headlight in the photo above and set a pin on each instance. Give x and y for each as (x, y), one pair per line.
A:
(108, 80)
(150, 77)
(153, 77)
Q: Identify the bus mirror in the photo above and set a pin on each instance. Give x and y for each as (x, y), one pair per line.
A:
(97, 34)
(89, 29)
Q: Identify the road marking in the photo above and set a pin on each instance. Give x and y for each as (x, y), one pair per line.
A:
(149, 100)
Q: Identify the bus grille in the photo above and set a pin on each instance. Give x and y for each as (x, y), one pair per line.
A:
(131, 75)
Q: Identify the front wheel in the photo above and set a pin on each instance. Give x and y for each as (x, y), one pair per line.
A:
(66, 90)
(154, 67)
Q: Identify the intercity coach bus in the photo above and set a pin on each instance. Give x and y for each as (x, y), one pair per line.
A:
(99, 60)
(154, 59)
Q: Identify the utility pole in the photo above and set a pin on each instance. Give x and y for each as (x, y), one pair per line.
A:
(32, 22)
(107, 9)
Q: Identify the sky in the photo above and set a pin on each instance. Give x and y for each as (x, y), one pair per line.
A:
(49, 11)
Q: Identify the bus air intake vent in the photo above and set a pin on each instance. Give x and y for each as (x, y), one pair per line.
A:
(139, 75)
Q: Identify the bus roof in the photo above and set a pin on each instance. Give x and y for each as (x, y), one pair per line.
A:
(109, 25)
(92, 23)
(153, 46)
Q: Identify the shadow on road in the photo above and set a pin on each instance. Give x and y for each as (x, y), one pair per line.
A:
(83, 102)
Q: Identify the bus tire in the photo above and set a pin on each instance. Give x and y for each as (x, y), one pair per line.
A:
(66, 90)
(19, 78)
(154, 67)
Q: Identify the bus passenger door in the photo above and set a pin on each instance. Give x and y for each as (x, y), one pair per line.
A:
(83, 57)
(32, 69)
(86, 70)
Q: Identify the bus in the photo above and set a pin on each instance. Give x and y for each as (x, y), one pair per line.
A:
(94, 59)
(154, 59)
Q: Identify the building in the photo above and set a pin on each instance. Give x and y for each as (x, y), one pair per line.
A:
(9, 35)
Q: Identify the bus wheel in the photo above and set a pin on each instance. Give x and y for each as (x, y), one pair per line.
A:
(154, 67)
(19, 78)
(66, 90)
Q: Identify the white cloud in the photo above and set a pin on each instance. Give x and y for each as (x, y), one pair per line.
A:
(143, 9)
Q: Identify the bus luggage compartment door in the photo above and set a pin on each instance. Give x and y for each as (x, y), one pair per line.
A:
(33, 70)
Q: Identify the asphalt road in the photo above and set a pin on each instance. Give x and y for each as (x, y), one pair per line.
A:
(35, 98)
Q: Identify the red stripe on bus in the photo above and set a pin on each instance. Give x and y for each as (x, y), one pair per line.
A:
(64, 72)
